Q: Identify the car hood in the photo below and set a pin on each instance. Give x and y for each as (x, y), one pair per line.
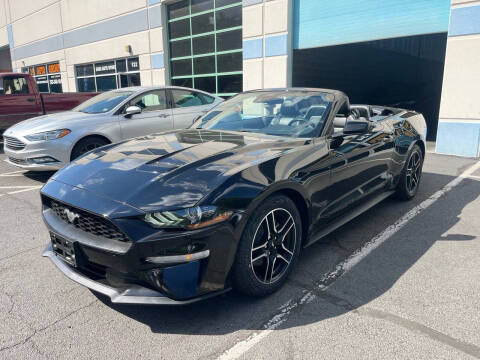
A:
(170, 170)
(49, 122)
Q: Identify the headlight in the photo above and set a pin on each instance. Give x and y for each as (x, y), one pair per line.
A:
(191, 218)
(48, 135)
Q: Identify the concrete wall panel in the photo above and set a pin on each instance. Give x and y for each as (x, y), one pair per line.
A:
(252, 74)
(275, 72)
(158, 77)
(156, 40)
(461, 82)
(252, 21)
(20, 9)
(276, 16)
(77, 13)
(39, 25)
(108, 49)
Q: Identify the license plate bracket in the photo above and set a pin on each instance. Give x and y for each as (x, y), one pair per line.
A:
(64, 248)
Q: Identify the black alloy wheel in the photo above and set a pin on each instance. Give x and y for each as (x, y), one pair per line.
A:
(412, 172)
(269, 247)
(86, 145)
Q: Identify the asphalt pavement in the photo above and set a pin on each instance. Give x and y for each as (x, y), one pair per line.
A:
(401, 281)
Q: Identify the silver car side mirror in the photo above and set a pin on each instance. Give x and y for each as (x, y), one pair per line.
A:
(132, 110)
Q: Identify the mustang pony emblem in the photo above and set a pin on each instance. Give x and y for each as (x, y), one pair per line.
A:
(71, 216)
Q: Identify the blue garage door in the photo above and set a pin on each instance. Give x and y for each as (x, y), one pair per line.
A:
(331, 22)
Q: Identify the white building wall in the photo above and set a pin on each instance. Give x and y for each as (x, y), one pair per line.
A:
(266, 44)
(459, 121)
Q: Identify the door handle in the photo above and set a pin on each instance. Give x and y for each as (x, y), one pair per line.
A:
(30, 99)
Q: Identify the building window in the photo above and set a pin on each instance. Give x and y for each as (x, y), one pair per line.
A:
(47, 77)
(107, 75)
(205, 45)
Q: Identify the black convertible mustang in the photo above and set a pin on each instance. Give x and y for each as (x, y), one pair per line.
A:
(179, 216)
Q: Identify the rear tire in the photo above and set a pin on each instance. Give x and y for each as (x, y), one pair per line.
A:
(86, 145)
(269, 247)
(411, 174)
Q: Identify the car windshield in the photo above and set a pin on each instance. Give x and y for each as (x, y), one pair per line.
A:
(291, 113)
(103, 103)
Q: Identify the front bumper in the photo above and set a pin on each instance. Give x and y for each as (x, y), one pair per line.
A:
(58, 149)
(133, 294)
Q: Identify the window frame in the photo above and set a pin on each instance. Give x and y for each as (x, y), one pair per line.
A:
(215, 52)
(27, 70)
(116, 73)
(167, 100)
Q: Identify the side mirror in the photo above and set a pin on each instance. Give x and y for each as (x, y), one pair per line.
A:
(132, 110)
(356, 127)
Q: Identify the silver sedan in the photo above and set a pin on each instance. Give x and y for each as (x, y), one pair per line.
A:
(49, 142)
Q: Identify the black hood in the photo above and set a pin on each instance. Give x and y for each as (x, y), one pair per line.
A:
(171, 170)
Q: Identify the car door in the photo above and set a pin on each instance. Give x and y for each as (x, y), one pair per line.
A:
(156, 115)
(187, 105)
(362, 168)
(17, 101)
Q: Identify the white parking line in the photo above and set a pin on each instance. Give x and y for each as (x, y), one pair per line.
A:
(243, 346)
(22, 189)
(13, 173)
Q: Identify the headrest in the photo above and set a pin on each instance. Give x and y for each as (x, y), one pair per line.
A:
(289, 108)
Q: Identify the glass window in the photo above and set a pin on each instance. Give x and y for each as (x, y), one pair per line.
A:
(105, 68)
(13, 85)
(40, 70)
(185, 98)
(206, 99)
(204, 65)
(179, 28)
(84, 70)
(106, 83)
(228, 18)
(202, 5)
(203, 44)
(121, 65)
(126, 80)
(180, 48)
(220, 3)
(103, 103)
(182, 67)
(185, 82)
(229, 40)
(202, 24)
(133, 64)
(207, 83)
(86, 84)
(55, 83)
(152, 101)
(271, 112)
(178, 9)
(223, 26)
(230, 83)
(230, 62)
(42, 84)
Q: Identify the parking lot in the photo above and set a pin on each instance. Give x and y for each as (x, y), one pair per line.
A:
(400, 281)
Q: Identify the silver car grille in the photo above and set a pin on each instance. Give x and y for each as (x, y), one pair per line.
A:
(13, 143)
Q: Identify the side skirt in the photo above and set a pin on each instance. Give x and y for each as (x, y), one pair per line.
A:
(349, 216)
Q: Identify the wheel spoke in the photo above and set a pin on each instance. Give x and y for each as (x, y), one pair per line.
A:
(285, 225)
(288, 251)
(260, 247)
(259, 257)
(266, 269)
(273, 269)
(282, 258)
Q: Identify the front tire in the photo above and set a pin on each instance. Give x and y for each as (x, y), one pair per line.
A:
(87, 144)
(269, 247)
(411, 174)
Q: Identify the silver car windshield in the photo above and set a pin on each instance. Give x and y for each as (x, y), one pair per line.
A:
(282, 113)
(103, 103)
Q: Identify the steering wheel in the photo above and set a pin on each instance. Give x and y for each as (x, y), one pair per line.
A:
(296, 121)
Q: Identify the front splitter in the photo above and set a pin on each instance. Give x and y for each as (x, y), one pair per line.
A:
(134, 294)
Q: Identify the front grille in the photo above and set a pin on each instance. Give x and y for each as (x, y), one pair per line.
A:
(87, 222)
(18, 161)
(13, 143)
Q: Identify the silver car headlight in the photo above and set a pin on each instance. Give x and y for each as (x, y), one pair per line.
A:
(48, 135)
(191, 218)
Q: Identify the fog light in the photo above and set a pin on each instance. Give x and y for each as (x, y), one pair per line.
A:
(172, 259)
(44, 160)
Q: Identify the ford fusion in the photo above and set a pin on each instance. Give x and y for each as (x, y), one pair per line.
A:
(49, 142)
(182, 215)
